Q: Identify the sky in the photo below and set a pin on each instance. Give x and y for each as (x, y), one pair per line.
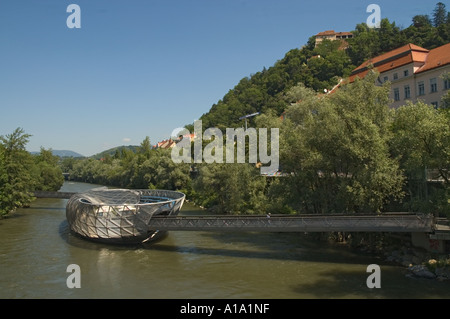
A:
(138, 68)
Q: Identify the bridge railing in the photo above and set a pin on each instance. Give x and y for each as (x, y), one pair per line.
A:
(307, 223)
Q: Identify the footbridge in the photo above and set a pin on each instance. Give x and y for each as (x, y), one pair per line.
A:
(391, 222)
(386, 222)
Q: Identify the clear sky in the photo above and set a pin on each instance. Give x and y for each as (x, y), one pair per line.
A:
(140, 68)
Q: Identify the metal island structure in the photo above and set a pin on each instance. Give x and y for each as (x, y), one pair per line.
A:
(120, 215)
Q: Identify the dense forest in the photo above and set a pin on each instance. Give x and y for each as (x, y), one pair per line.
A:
(346, 152)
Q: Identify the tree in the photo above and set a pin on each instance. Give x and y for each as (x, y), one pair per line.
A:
(168, 175)
(16, 163)
(145, 147)
(3, 180)
(298, 93)
(230, 188)
(439, 14)
(421, 32)
(15, 142)
(337, 153)
(422, 138)
(420, 21)
(47, 172)
(67, 163)
(422, 142)
(369, 42)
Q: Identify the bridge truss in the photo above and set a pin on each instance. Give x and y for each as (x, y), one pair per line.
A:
(299, 223)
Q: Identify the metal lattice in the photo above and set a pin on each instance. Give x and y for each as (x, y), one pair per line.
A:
(120, 215)
(298, 223)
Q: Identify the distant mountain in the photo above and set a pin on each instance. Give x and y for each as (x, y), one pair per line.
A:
(113, 150)
(63, 153)
(66, 153)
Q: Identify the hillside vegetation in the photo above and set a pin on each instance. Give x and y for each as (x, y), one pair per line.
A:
(267, 90)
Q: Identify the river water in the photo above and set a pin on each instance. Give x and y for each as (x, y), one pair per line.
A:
(36, 249)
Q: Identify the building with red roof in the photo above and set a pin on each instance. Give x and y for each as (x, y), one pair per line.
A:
(415, 73)
(332, 36)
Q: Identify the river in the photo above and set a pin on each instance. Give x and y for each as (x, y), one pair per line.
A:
(36, 249)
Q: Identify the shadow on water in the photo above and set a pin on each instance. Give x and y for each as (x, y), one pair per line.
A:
(301, 254)
(353, 282)
(280, 248)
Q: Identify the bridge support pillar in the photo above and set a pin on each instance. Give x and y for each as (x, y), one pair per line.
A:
(423, 240)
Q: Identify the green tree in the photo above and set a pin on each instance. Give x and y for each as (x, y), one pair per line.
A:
(145, 147)
(337, 153)
(422, 138)
(230, 188)
(298, 93)
(167, 174)
(67, 163)
(47, 172)
(369, 42)
(17, 184)
(439, 14)
(420, 21)
(422, 142)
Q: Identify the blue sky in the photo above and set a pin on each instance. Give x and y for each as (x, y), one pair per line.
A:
(140, 68)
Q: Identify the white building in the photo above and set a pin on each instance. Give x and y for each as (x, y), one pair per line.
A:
(415, 73)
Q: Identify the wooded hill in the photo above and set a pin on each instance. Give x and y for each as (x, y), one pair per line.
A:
(267, 90)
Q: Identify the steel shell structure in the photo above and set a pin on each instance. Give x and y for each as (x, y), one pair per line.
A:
(120, 215)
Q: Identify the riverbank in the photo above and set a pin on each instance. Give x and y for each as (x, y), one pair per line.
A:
(397, 249)
(420, 263)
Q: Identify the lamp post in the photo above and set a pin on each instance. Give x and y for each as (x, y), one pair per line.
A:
(245, 117)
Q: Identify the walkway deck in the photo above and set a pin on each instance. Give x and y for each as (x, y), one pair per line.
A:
(306, 223)
(49, 194)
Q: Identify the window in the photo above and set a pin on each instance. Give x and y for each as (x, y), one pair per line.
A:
(407, 92)
(396, 94)
(395, 76)
(433, 85)
(446, 84)
(385, 79)
(421, 88)
(406, 72)
(435, 104)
